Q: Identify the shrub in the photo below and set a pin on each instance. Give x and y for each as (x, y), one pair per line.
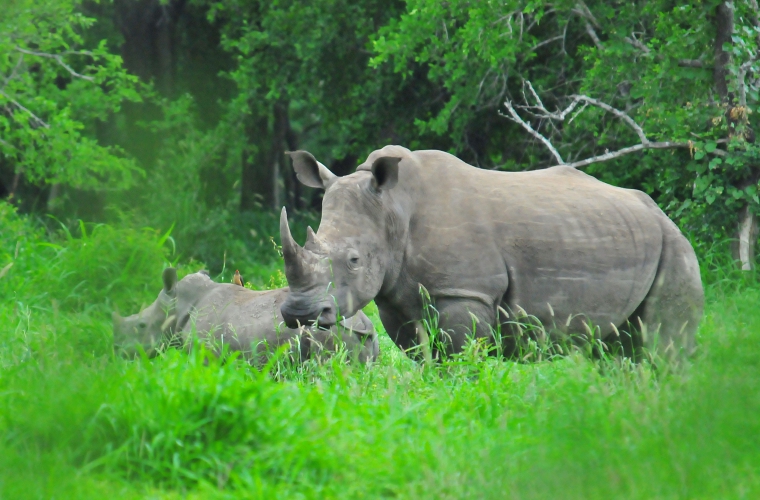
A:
(106, 265)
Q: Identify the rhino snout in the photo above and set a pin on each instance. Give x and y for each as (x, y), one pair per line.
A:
(295, 314)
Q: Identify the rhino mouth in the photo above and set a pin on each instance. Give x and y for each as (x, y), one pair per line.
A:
(296, 313)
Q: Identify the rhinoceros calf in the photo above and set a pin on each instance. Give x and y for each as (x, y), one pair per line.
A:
(245, 320)
(578, 254)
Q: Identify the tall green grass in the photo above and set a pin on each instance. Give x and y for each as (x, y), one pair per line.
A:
(77, 422)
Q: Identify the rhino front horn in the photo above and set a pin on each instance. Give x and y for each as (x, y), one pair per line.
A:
(291, 252)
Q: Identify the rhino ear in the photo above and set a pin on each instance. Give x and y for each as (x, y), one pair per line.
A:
(309, 171)
(170, 281)
(116, 319)
(385, 172)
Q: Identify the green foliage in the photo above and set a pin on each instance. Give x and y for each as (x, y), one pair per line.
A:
(627, 54)
(705, 189)
(55, 86)
(312, 57)
(101, 267)
(105, 265)
(474, 53)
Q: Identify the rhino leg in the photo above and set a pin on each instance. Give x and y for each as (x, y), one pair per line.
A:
(667, 319)
(401, 331)
(459, 317)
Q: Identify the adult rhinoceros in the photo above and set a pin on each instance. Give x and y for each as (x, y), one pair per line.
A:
(244, 320)
(573, 251)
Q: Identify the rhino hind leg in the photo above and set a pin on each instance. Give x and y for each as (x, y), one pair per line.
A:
(666, 321)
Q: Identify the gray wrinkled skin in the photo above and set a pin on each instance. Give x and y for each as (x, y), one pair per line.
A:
(242, 319)
(556, 243)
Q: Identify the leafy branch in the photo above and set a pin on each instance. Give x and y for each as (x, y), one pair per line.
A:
(37, 120)
(59, 59)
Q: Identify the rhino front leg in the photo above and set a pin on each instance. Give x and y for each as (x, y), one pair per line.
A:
(397, 326)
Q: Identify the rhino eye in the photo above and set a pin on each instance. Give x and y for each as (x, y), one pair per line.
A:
(142, 324)
(353, 260)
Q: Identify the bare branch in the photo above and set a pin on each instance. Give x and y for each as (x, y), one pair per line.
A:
(37, 119)
(627, 119)
(59, 60)
(692, 63)
(545, 42)
(594, 36)
(585, 105)
(632, 149)
(741, 85)
(7, 144)
(540, 111)
(588, 18)
(508, 16)
(515, 117)
(685, 63)
(638, 44)
(533, 93)
(13, 72)
(582, 10)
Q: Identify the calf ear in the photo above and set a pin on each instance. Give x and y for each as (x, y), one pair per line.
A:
(385, 172)
(170, 281)
(309, 171)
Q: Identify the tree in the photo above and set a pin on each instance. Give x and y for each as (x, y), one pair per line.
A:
(683, 75)
(54, 88)
(303, 80)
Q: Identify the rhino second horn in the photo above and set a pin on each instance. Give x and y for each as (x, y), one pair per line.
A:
(311, 239)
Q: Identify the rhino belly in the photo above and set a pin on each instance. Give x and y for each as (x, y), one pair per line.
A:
(592, 263)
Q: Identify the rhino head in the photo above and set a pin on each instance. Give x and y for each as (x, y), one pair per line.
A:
(342, 268)
(151, 326)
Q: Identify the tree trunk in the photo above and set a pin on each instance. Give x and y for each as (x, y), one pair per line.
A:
(261, 183)
(256, 175)
(724, 28)
(746, 238)
(55, 191)
(292, 185)
(277, 159)
(149, 31)
(164, 50)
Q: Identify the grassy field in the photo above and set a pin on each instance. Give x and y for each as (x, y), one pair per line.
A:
(78, 422)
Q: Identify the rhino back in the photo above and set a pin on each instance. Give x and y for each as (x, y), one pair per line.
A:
(554, 242)
(242, 318)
